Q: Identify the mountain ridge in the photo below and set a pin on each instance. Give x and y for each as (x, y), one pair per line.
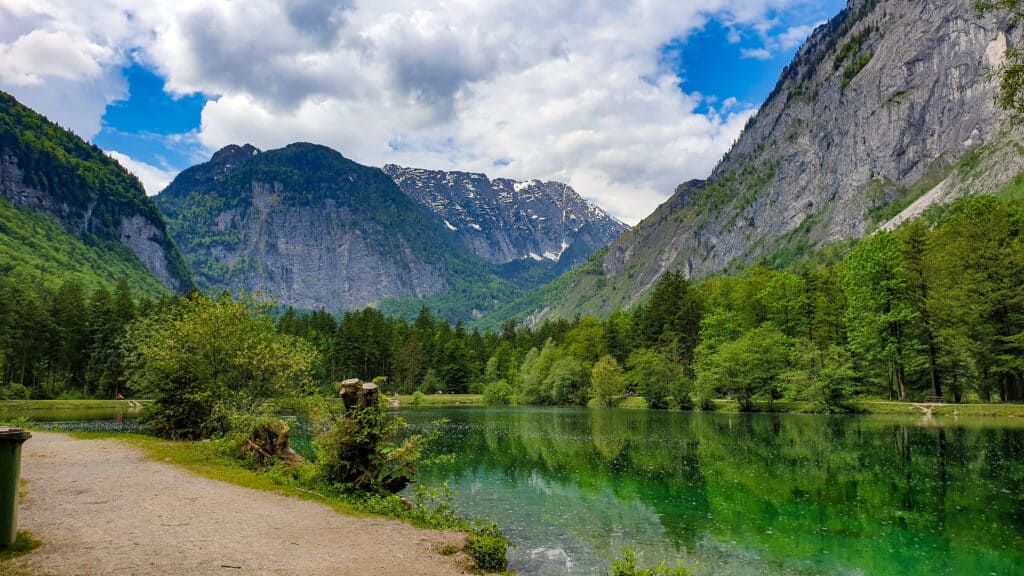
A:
(863, 122)
(502, 220)
(48, 171)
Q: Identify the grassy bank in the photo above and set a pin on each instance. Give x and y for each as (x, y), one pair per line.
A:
(883, 407)
(16, 405)
(442, 400)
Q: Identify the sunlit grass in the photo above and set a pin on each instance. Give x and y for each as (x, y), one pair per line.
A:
(442, 400)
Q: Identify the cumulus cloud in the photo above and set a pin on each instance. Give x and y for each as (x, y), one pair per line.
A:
(153, 179)
(562, 89)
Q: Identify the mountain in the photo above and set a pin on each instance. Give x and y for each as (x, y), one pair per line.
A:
(313, 229)
(886, 109)
(69, 211)
(504, 220)
(308, 226)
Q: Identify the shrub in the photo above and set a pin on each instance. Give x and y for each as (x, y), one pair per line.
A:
(487, 545)
(357, 448)
(417, 398)
(14, 391)
(498, 393)
(208, 359)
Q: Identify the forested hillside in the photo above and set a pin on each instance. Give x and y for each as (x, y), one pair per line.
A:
(933, 310)
(68, 208)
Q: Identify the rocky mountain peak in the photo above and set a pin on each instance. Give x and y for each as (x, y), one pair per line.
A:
(504, 220)
(233, 154)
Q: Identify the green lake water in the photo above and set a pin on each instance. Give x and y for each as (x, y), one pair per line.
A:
(739, 494)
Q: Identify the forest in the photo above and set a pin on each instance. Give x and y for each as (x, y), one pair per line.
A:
(933, 310)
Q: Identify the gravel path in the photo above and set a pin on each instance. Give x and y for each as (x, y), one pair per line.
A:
(101, 508)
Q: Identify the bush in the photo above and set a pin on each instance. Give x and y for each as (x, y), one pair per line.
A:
(487, 545)
(498, 393)
(207, 360)
(14, 391)
(357, 448)
(417, 398)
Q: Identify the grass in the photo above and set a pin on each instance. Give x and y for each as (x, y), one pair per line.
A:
(14, 405)
(881, 407)
(23, 544)
(442, 400)
(9, 558)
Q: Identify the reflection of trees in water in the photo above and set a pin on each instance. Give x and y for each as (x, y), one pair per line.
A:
(787, 486)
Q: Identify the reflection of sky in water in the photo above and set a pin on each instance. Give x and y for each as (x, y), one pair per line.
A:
(738, 495)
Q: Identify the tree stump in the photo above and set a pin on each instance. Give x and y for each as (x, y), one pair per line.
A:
(268, 443)
(357, 394)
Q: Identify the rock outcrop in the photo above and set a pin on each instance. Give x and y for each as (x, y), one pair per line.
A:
(888, 100)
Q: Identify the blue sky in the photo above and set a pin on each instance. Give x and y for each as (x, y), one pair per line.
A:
(621, 100)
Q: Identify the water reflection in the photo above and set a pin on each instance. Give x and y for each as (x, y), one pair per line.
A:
(740, 494)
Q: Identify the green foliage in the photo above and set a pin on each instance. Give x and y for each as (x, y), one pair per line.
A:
(358, 447)
(498, 393)
(654, 376)
(417, 398)
(606, 381)
(83, 180)
(34, 246)
(206, 359)
(852, 69)
(487, 545)
(626, 566)
(747, 367)
(852, 47)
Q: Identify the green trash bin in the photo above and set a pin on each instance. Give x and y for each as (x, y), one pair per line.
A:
(11, 440)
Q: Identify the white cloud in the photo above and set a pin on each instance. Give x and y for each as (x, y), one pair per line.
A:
(756, 53)
(153, 179)
(795, 36)
(562, 89)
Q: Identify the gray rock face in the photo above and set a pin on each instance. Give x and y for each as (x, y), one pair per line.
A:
(312, 256)
(878, 106)
(143, 238)
(305, 226)
(504, 220)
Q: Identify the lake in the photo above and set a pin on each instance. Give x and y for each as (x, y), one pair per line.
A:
(739, 494)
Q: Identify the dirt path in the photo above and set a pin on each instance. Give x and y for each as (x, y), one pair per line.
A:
(100, 508)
